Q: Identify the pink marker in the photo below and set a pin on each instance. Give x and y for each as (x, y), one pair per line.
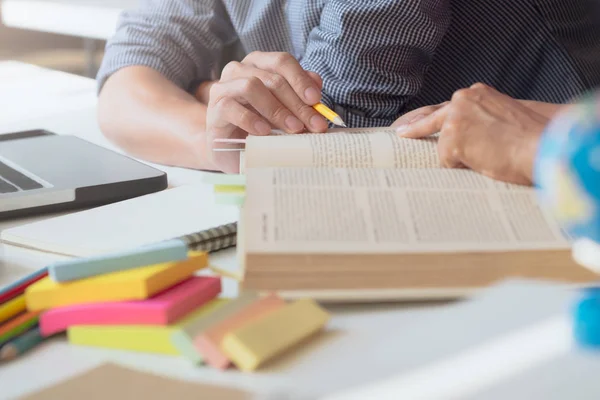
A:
(163, 309)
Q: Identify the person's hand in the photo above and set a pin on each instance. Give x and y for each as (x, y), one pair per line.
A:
(265, 91)
(483, 130)
(548, 110)
(415, 115)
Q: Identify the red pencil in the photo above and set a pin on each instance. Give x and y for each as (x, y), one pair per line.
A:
(19, 287)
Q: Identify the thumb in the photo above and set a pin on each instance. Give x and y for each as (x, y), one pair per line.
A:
(426, 126)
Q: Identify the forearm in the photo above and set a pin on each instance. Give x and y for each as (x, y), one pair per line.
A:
(151, 118)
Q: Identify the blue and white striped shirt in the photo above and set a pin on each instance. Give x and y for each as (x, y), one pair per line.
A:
(378, 59)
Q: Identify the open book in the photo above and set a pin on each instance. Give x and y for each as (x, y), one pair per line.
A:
(364, 214)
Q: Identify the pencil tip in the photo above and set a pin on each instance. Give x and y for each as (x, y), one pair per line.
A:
(338, 121)
(7, 353)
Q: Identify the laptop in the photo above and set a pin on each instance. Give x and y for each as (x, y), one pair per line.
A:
(42, 172)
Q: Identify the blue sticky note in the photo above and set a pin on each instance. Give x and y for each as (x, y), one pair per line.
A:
(80, 268)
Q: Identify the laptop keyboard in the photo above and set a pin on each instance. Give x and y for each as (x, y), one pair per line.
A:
(12, 180)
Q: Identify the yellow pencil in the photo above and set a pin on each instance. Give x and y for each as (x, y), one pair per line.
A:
(12, 308)
(329, 114)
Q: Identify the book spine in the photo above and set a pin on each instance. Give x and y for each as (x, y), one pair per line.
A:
(211, 240)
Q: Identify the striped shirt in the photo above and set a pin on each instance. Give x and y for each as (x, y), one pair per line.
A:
(378, 59)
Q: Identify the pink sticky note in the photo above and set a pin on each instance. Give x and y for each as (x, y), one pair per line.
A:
(208, 342)
(163, 309)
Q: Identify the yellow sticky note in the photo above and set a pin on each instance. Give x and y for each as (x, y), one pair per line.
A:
(142, 338)
(228, 189)
(259, 341)
(12, 308)
(135, 284)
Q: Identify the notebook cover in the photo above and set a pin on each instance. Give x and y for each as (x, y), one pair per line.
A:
(132, 223)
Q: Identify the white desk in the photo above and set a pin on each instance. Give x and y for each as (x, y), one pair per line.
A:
(36, 98)
(93, 19)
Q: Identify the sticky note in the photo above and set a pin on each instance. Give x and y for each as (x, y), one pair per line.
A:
(208, 343)
(165, 308)
(141, 338)
(79, 268)
(252, 345)
(12, 308)
(230, 199)
(225, 179)
(226, 189)
(135, 284)
(184, 338)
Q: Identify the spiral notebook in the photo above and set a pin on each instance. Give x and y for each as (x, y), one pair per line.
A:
(187, 212)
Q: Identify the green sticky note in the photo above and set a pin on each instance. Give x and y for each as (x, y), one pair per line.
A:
(230, 199)
(225, 179)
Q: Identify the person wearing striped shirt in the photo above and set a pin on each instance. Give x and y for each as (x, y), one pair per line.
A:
(178, 73)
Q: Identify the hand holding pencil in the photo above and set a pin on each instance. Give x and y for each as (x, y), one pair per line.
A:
(265, 91)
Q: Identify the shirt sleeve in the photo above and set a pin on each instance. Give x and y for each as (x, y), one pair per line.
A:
(373, 55)
(181, 39)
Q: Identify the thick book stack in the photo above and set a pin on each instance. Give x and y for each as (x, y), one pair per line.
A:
(129, 302)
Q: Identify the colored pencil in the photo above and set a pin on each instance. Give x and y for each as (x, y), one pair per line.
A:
(18, 325)
(13, 290)
(12, 307)
(21, 344)
(328, 113)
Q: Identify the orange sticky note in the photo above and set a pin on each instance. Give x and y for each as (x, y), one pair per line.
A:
(208, 343)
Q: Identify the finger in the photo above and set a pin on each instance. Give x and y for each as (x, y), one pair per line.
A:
(452, 140)
(426, 126)
(252, 91)
(316, 77)
(449, 153)
(228, 110)
(282, 90)
(415, 115)
(287, 66)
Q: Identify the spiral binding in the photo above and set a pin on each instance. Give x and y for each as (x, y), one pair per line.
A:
(214, 239)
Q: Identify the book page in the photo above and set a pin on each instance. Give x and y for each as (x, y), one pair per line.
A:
(336, 210)
(348, 148)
